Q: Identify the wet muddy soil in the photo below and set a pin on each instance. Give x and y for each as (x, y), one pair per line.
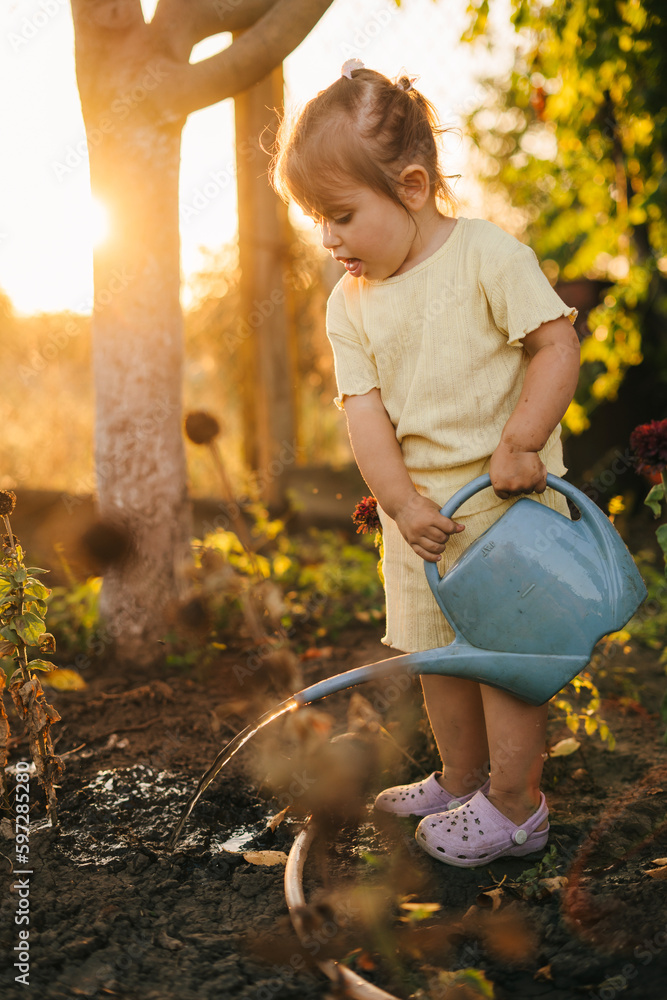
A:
(114, 913)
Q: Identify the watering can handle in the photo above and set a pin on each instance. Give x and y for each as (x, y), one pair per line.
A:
(482, 482)
(589, 510)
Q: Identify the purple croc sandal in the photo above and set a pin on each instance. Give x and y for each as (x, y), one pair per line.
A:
(477, 833)
(422, 798)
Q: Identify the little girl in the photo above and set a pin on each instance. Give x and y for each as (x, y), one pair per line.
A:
(454, 357)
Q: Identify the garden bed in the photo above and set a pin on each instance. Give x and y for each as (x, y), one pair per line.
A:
(114, 913)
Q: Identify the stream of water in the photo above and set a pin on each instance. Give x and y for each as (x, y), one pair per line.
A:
(226, 755)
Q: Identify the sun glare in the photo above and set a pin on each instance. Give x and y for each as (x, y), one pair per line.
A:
(98, 223)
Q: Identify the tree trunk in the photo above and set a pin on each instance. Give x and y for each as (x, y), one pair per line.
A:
(265, 332)
(138, 355)
(137, 87)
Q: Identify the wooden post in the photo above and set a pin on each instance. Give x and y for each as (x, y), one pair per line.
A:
(265, 334)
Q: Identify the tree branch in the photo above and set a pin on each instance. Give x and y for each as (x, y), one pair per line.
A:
(247, 60)
(186, 22)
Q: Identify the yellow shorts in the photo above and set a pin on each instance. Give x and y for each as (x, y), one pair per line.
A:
(414, 620)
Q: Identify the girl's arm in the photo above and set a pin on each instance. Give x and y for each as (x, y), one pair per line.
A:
(548, 388)
(378, 455)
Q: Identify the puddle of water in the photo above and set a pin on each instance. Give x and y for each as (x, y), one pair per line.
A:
(123, 809)
(238, 841)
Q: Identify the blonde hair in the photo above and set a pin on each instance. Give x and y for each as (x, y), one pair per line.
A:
(363, 128)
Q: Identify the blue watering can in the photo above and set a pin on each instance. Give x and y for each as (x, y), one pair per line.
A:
(527, 600)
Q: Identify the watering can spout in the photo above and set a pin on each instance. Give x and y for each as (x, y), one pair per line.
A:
(523, 675)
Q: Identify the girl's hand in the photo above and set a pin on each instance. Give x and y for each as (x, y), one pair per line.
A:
(424, 528)
(513, 471)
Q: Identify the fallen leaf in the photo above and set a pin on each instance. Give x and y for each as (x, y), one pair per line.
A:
(553, 884)
(490, 899)
(274, 822)
(171, 944)
(565, 747)
(64, 680)
(265, 857)
(317, 653)
(543, 973)
(418, 911)
(658, 873)
(659, 861)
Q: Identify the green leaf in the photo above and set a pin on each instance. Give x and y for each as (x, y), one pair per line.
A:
(29, 626)
(10, 635)
(661, 535)
(655, 499)
(36, 570)
(33, 588)
(40, 665)
(6, 587)
(38, 608)
(20, 574)
(590, 725)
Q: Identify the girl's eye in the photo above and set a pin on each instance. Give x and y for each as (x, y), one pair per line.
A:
(344, 220)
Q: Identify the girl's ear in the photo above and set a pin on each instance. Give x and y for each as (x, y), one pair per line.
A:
(415, 186)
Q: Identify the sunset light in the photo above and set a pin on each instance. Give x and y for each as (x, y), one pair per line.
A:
(48, 226)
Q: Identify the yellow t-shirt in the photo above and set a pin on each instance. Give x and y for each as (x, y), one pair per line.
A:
(442, 343)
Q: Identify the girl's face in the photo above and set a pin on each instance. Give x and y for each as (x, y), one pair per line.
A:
(369, 233)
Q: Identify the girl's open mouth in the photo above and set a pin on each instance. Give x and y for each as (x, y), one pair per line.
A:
(353, 265)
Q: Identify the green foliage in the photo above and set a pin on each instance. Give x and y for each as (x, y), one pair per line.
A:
(22, 611)
(579, 707)
(74, 613)
(282, 598)
(655, 499)
(649, 624)
(528, 882)
(575, 139)
(22, 627)
(325, 581)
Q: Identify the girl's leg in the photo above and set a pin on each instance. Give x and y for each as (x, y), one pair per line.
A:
(456, 714)
(517, 737)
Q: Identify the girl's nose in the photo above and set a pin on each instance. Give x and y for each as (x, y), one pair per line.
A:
(329, 239)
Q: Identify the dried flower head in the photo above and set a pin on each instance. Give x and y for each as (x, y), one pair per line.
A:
(7, 501)
(201, 427)
(649, 444)
(366, 517)
(106, 543)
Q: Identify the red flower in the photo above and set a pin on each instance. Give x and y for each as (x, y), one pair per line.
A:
(365, 516)
(649, 444)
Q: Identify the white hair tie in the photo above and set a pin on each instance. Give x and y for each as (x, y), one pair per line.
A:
(410, 81)
(349, 65)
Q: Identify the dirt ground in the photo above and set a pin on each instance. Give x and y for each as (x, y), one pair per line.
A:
(114, 913)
